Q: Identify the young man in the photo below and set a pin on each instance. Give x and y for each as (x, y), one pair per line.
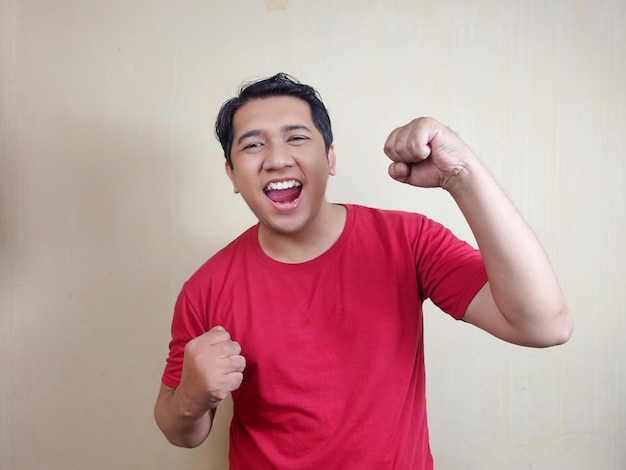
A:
(312, 318)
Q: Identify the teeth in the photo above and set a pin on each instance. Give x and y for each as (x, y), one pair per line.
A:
(282, 185)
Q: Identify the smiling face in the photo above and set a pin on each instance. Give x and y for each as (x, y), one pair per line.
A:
(280, 165)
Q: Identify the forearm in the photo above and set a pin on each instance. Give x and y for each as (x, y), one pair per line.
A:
(181, 425)
(521, 278)
(522, 303)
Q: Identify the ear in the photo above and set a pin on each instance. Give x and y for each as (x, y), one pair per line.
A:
(231, 174)
(331, 160)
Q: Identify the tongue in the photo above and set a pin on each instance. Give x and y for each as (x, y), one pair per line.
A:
(284, 195)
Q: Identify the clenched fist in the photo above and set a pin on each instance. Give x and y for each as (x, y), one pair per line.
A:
(427, 154)
(212, 368)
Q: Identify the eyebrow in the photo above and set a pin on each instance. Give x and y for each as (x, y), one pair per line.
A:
(283, 129)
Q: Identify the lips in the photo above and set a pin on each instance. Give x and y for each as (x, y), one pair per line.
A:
(283, 192)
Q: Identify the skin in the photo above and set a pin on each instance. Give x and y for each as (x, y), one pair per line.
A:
(275, 140)
(522, 303)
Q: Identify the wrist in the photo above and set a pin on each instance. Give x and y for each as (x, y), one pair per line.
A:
(189, 408)
(465, 179)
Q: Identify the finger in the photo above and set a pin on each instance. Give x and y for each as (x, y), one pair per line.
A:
(390, 145)
(233, 348)
(408, 143)
(219, 329)
(234, 381)
(399, 171)
(230, 364)
(226, 349)
(217, 334)
(404, 143)
(237, 363)
(229, 381)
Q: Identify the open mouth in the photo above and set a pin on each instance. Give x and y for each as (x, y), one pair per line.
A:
(283, 192)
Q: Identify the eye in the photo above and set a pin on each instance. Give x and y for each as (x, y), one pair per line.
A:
(297, 139)
(253, 145)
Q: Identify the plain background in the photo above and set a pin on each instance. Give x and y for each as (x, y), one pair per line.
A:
(112, 192)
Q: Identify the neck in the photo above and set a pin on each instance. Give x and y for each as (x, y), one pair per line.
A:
(308, 243)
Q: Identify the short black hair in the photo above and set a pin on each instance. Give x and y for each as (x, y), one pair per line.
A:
(280, 84)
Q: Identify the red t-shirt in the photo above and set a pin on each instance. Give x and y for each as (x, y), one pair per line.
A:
(334, 346)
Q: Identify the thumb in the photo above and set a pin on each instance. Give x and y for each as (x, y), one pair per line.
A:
(399, 171)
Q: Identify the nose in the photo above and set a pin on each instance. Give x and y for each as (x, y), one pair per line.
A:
(277, 157)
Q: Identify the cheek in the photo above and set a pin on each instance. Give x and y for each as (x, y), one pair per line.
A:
(244, 176)
(248, 185)
(321, 176)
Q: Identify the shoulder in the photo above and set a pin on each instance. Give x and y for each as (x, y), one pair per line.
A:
(226, 259)
(389, 219)
(401, 228)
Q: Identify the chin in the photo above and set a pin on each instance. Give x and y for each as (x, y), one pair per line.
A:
(285, 225)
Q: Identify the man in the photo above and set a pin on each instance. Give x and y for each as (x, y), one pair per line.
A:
(312, 318)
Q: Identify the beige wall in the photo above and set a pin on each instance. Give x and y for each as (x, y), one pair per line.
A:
(112, 192)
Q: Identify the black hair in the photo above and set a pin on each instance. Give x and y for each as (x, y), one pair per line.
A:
(280, 84)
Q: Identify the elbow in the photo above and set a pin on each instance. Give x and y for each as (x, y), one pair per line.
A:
(179, 431)
(179, 440)
(560, 330)
(566, 328)
(183, 444)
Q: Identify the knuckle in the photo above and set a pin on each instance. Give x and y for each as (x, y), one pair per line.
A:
(227, 349)
(236, 380)
(220, 335)
(239, 363)
(192, 346)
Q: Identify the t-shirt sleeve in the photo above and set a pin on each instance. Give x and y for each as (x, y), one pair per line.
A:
(450, 271)
(186, 325)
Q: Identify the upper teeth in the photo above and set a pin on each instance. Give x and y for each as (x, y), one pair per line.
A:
(282, 185)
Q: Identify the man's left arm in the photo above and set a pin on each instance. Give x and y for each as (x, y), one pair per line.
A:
(522, 302)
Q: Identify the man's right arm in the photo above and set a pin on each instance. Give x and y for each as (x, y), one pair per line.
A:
(212, 368)
(181, 426)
